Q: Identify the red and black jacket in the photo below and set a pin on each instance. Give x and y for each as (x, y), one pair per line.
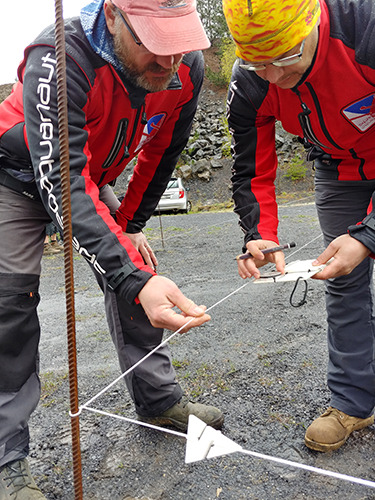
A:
(110, 123)
(337, 93)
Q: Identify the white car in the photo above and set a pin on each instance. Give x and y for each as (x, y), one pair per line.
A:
(174, 198)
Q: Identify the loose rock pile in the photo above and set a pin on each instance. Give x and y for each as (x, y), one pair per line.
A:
(209, 143)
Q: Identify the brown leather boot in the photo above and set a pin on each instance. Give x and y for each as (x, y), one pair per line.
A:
(330, 431)
(50, 249)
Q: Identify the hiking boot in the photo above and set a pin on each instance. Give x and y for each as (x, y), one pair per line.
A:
(178, 415)
(330, 431)
(16, 482)
(56, 245)
(50, 249)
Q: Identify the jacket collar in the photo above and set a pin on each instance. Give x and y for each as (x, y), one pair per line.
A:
(322, 47)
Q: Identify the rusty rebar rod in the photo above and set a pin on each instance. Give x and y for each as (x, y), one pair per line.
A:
(62, 102)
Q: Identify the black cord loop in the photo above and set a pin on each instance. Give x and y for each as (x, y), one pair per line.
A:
(303, 301)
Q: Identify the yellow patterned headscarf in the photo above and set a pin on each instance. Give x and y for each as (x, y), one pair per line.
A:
(266, 29)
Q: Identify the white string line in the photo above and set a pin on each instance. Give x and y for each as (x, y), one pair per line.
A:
(325, 472)
(153, 351)
(136, 422)
(303, 246)
(191, 229)
(310, 468)
(164, 342)
(298, 200)
(227, 221)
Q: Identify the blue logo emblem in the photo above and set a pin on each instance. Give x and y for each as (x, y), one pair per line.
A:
(151, 129)
(361, 114)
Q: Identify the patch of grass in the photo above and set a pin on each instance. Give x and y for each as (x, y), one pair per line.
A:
(227, 57)
(50, 383)
(206, 379)
(102, 373)
(265, 381)
(100, 335)
(217, 78)
(307, 363)
(84, 317)
(226, 206)
(262, 356)
(227, 140)
(175, 229)
(214, 230)
(180, 364)
(285, 197)
(265, 358)
(285, 420)
(296, 169)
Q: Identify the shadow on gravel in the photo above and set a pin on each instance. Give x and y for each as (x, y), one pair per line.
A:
(260, 360)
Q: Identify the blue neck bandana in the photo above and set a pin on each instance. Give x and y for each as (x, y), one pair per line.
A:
(95, 28)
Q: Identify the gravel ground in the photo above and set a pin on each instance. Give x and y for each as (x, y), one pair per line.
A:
(260, 360)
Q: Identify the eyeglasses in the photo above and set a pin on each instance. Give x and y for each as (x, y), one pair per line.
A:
(134, 36)
(284, 61)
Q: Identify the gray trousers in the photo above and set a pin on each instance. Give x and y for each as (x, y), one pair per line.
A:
(152, 385)
(349, 302)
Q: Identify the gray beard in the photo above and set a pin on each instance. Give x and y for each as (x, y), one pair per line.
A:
(141, 81)
(137, 79)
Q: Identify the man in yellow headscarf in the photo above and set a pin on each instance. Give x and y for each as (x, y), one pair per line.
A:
(311, 65)
(287, 23)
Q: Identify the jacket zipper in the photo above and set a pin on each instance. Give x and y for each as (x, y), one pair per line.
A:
(127, 146)
(320, 116)
(120, 139)
(308, 133)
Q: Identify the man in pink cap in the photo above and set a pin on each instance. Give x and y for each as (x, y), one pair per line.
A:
(133, 79)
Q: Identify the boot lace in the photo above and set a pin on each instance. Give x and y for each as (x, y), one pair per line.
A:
(184, 401)
(16, 477)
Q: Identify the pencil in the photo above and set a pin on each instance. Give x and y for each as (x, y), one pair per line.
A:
(248, 255)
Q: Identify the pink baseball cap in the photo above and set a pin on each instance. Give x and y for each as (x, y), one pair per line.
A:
(166, 27)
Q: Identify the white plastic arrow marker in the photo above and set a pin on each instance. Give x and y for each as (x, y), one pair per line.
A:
(203, 442)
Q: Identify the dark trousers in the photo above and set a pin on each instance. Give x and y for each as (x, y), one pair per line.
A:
(349, 302)
(152, 385)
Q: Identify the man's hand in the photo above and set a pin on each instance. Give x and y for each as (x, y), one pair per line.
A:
(347, 253)
(140, 243)
(249, 267)
(160, 295)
